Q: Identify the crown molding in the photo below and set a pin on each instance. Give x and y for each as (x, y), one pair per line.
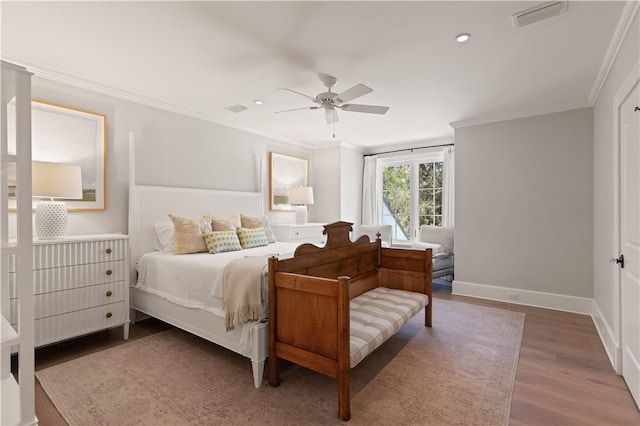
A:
(70, 80)
(328, 145)
(629, 12)
(514, 116)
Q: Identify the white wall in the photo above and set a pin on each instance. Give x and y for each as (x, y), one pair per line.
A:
(352, 166)
(325, 177)
(337, 181)
(524, 204)
(604, 273)
(171, 150)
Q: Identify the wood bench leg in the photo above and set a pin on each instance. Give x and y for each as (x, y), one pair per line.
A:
(344, 396)
(274, 374)
(428, 313)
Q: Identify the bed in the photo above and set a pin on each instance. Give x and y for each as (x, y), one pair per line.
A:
(174, 288)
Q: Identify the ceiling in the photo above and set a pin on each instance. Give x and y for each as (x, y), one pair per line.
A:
(199, 58)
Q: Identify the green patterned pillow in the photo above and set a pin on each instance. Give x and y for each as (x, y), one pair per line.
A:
(221, 241)
(255, 222)
(254, 237)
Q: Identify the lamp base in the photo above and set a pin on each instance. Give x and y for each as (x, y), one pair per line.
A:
(301, 215)
(51, 220)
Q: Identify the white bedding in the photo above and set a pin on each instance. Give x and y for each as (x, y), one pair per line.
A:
(195, 280)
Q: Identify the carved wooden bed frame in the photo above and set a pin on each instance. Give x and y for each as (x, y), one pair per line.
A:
(309, 298)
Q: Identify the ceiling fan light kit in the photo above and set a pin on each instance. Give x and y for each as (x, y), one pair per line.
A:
(330, 101)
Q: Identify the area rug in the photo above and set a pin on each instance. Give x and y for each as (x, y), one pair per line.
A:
(460, 372)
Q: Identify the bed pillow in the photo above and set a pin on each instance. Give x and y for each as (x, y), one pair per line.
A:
(188, 235)
(254, 222)
(252, 237)
(222, 241)
(221, 224)
(164, 237)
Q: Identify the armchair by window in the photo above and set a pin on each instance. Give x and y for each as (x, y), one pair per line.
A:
(440, 240)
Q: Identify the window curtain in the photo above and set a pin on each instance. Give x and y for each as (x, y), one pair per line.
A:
(448, 186)
(371, 192)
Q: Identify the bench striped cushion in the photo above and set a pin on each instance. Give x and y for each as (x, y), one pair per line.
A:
(377, 314)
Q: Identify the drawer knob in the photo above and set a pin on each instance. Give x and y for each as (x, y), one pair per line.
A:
(109, 272)
(109, 251)
(109, 314)
(109, 293)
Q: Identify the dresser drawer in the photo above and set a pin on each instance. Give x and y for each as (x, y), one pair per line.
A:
(72, 324)
(77, 253)
(306, 232)
(50, 255)
(68, 277)
(60, 302)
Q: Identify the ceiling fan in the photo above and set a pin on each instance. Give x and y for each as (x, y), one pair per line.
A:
(330, 101)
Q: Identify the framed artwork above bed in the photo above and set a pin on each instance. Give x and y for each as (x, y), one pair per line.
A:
(286, 172)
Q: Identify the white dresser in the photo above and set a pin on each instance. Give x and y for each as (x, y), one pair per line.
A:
(307, 233)
(81, 285)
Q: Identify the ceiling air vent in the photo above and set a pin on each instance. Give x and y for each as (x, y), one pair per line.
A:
(237, 108)
(538, 13)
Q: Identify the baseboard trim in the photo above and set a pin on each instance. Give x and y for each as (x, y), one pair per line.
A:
(607, 337)
(558, 302)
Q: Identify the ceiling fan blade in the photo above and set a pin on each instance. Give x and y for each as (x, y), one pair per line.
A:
(297, 109)
(331, 115)
(355, 92)
(371, 109)
(301, 94)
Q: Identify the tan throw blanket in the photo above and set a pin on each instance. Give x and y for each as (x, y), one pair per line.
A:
(242, 290)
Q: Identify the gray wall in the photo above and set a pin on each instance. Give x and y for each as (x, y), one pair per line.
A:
(171, 150)
(604, 273)
(524, 203)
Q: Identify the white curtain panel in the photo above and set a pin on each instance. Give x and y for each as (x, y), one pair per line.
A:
(371, 190)
(448, 187)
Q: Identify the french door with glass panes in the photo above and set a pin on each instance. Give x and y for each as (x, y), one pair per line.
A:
(411, 195)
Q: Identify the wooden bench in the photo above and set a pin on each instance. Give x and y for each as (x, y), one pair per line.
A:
(330, 307)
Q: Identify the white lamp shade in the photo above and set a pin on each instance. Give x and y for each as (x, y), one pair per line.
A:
(301, 195)
(56, 180)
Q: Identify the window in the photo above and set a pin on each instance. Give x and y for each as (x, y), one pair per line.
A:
(396, 200)
(430, 193)
(411, 194)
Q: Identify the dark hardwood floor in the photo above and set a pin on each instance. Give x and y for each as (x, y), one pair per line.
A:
(564, 376)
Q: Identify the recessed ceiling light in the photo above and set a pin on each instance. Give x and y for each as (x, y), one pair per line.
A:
(461, 38)
(257, 102)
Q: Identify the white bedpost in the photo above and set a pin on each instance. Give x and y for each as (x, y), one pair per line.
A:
(261, 187)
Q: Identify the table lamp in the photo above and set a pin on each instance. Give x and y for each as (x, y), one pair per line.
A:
(300, 197)
(54, 180)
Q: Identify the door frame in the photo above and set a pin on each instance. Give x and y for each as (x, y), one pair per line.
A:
(629, 83)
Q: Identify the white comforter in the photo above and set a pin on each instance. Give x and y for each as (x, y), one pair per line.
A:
(195, 280)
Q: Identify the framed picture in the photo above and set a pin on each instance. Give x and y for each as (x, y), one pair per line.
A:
(70, 136)
(286, 172)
